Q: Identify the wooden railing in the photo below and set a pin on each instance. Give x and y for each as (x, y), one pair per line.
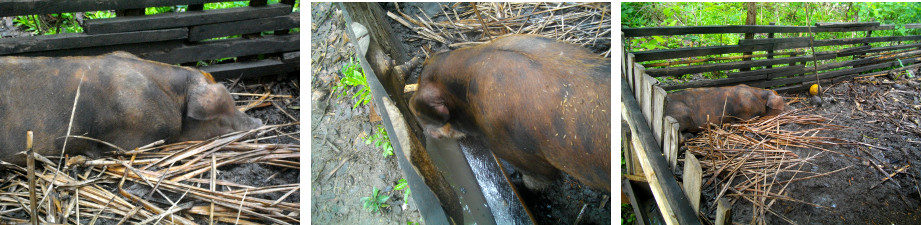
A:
(174, 38)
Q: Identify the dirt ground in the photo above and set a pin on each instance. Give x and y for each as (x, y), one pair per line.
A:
(884, 115)
(345, 173)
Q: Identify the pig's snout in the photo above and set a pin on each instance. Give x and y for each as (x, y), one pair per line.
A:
(245, 122)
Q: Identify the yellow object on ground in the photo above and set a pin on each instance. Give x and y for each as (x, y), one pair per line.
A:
(814, 89)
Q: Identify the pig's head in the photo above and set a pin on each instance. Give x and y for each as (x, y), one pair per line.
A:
(432, 104)
(210, 112)
(775, 104)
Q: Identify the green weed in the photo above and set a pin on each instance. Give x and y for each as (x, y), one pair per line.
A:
(354, 76)
(375, 202)
(401, 184)
(381, 140)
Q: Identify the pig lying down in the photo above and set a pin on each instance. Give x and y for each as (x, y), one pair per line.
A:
(124, 100)
(542, 105)
(692, 107)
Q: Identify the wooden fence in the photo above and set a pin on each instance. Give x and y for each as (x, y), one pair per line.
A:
(783, 71)
(174, 38)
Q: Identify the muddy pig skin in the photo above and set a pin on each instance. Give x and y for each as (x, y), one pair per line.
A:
(124, 100)
(692, 106)
(541, 105)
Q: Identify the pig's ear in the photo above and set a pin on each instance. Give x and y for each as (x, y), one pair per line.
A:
(206, 102)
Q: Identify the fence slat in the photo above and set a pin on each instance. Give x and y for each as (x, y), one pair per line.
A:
(250, 69)
(183, 19)
(82, 40)
(227, 48)
(202, 32)
(32, 7)
(658, 112)
(671, 144)
(712, 50)
(681, 30)
(646, 102)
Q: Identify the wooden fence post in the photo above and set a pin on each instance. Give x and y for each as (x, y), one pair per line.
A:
(692, 177)
(670, 142)
(658, 113)
(647, 102)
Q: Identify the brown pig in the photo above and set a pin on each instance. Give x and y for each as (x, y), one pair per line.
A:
(124, 100)
(692, 107)
(541, 105)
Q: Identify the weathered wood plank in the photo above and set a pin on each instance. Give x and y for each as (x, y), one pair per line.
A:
(774, 40)
(82, 40)
(678, 71)
(674, 205)
(681, 30)
(847, 24)
(658, 112)
(794, 43)
(135, 48)
(202, 32)
(742, 77)
(31, 7)
(692, 177)
(832, 74)
(647, 101)
(250, 69)
(182, 19)
(228, 48)
(671, 145)
(913, 25)
(630, 69)
(723, 213)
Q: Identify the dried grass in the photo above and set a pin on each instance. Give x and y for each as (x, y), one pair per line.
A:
(180, 173)
(578, 23)
(751, 160)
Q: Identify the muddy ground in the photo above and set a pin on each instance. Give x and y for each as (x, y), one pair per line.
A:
(355, 167)
(885, 115)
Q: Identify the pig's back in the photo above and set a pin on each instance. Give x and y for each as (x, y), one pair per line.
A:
(117, 104)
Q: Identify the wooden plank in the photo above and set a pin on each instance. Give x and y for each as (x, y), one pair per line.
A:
(289, 57)
(692, 178)
(741, 77)
(792, 43)
(671, 145)
(202, 32)
(847, 24)
(630, 69)
(670, 198)
(658, 112)
(681, 30)
(678, 71)
(250, 69)
(831, 74)
(82, 40)
(774, 41)
(183, 19)
(638, 71)
(646, 101)
(32, 7)
(135, 48)
(632, 162)
(913, 25)
(228, 48)
(627, 187)
(723, 213)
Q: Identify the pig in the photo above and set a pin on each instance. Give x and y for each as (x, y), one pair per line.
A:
(541, 105)
(691, 107)
(124, 100)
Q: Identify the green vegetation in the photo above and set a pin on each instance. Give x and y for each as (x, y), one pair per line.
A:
(626, 214)
(381, 140)
(401, 184)
(354, 76)
(375, 202)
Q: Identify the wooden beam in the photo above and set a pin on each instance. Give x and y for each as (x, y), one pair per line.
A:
(32, 7)
(182, 19)
(790, 44)
(227, 48)
(674, 205)
(723, 212)
(847, 24)
(681, 30)
(692, 177)
(832, 74)
(913, 26)
(134, 48)
(202, 32)
(82, 40)
(658, 112)
(670, 142)
(250, 69)
(741, 77)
